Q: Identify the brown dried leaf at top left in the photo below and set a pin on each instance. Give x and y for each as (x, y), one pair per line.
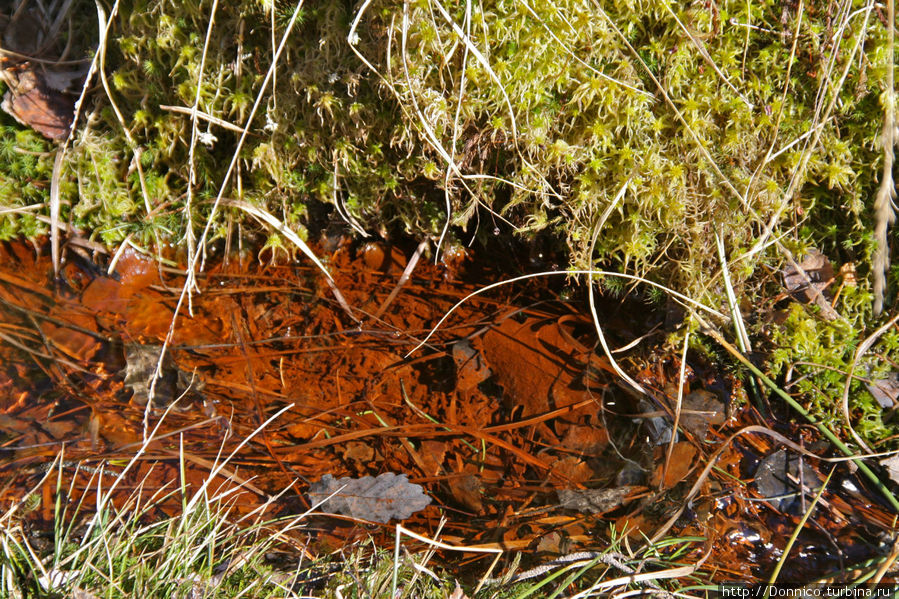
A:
(40, 94)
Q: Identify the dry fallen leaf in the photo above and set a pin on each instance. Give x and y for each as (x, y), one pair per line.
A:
(458, 593)
(885, 390)
(376, 499)
(593, 501)
(32, 101)
(819, 271)
(892, 466)
(812, 283)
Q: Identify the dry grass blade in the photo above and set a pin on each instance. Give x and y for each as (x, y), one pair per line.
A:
(54, 207)
(679, 572)
(400, 531)
(61, 152)
(19, 209)
(403, 279)
(590, 294)
(571, 53)
(191, 283)
(822, 115)
(792, 540)
(204, 116)
(863, 347)
(697, 486)
(681, 381)
(680, 296)
(705, 55)
(857, 460)
(277, 225)
(884, 215)
(232, 167)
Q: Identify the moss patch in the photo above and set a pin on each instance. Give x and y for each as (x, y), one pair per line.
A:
(632, 131)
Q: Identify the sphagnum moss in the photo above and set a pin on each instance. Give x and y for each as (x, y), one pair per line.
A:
(713, 116)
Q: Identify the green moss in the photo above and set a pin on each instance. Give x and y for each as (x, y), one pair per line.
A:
(24, 181)
(819, 353)
(554, 106)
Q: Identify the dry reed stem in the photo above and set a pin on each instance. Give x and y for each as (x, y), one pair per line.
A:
(884, 214)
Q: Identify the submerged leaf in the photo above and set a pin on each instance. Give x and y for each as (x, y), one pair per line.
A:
(375, 499)
(778, 479)
(140, 367)
(593, 501)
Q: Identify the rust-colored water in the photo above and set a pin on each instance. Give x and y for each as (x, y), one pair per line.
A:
(506, 404)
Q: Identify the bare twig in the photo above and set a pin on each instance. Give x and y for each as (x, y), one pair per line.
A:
(63, 149)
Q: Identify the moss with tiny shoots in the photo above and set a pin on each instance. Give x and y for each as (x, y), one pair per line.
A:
(632, 131)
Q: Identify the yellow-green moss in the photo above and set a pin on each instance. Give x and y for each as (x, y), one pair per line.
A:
(547, 108)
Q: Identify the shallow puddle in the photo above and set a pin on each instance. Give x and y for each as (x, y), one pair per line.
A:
(511, 422)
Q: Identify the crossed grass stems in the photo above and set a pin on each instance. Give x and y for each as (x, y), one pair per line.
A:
(122, 551)
(203, 505)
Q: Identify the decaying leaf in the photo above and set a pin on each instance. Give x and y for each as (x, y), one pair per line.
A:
(892, 466)
(12, 426)
(467, 490)
(819, 271)
(140, 365)
(593, 501)
(32, 102)
(471, 370)
(885, 390)
(701, 408)
(682, 461)
(458, 593)
(378, 499)
(778, 477)
(39, 92)
(810, 283)
(540, 369)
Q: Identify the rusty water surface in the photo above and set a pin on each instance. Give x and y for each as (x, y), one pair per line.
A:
(509, 418)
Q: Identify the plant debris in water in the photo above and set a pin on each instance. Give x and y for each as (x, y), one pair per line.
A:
(172, 383)
(514, 468)
(701, 146)
(379, 499)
